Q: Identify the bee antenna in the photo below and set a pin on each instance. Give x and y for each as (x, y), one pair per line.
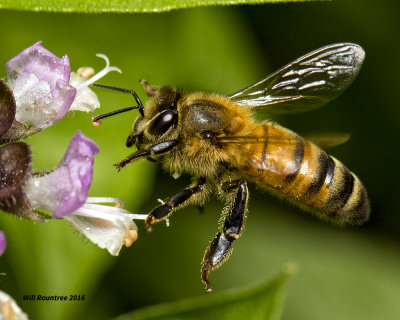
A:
(112, 113)
(138, 101)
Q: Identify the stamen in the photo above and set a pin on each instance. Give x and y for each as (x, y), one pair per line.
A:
(85, 72)
(109, 209)
(100, 74)
(110, 200)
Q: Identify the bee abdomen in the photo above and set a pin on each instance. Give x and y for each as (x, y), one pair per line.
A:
(347, 197)
(326, 185)
(290, 166)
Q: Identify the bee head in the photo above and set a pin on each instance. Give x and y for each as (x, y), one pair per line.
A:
(159, 119)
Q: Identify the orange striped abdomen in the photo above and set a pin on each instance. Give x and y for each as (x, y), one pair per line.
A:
(290, 166)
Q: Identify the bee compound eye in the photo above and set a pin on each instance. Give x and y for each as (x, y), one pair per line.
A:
(162, 122)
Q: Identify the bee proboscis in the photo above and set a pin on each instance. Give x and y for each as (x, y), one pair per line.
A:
(217, 140)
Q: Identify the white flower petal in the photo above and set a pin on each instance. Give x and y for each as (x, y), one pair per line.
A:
(9, 310)
(86, 100)
(108, 227)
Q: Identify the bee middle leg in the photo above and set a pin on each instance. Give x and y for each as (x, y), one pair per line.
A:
(173, 203)
(220, 247)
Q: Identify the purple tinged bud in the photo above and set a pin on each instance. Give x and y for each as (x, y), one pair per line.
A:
(15, 171)
(3, 242)
(15, 167)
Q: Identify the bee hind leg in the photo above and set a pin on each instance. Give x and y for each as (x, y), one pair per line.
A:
(221, 246)
(164, 210)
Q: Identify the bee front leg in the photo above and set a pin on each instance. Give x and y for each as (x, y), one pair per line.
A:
(155, 149)
(164, 210)
(220, 247)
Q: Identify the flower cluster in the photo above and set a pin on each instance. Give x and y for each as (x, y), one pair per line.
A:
(39, 91)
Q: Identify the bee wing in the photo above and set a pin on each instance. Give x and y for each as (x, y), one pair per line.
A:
(306, 83)
(254, 150)
(328, 139)
(323, 140)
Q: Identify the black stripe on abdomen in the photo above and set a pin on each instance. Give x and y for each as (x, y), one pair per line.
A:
(330, 172)
(298, 156)
(321, 173)
(361, 206)
(264, 151)
(341, 190)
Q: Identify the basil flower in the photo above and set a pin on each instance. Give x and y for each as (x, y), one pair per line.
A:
(64, 191)
(43, 90)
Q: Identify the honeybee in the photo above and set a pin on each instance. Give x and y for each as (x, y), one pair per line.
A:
(217, 140)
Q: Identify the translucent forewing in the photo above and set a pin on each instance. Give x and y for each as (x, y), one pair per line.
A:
(322, 140)
(306, 83)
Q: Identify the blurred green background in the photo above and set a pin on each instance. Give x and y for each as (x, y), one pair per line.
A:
(348, 273)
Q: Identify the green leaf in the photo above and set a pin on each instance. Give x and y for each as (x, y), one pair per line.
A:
(263, 301)
(122, 5)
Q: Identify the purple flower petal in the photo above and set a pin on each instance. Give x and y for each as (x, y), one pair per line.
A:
(41, 62)
(3, 242)
(78, 160)
(64, 97)
(66, 189)
(40, 83)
